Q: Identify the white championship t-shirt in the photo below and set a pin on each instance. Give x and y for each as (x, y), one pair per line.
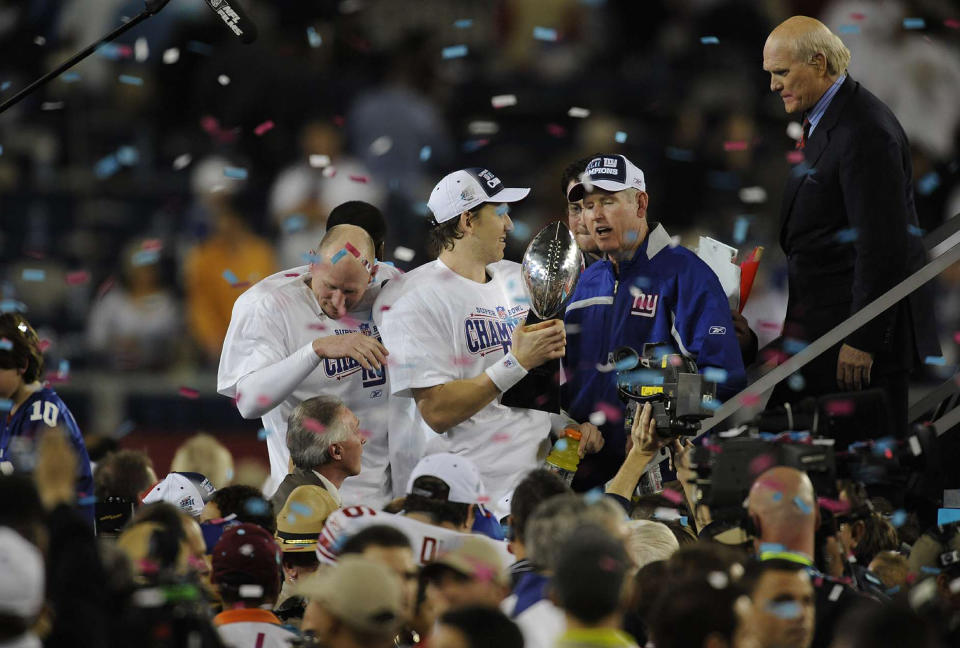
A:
(440, 327)
(275, 318)
(428, 541)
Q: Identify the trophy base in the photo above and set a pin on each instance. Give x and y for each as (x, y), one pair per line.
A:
(540, 388)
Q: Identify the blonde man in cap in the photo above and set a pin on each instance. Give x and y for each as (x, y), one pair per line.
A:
(356, 604)
(454, 329)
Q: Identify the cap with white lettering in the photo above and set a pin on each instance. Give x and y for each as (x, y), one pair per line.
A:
(610, 173)
(463, 190)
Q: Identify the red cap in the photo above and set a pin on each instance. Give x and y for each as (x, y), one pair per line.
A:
(246, 554)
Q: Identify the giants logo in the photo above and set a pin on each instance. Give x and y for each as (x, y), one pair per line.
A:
(341, 368)
(644, 305)
(485, 334)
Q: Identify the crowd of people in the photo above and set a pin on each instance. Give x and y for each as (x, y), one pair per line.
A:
(449, 471)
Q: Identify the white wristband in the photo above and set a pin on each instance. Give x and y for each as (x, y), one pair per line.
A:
(506, 373)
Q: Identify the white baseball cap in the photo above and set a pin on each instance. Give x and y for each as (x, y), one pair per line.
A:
(464, 484)
(463, 190)
(608, 172)
(21, 588)
(188, 491)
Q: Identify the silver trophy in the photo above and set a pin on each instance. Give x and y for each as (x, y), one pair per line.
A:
(551, 268)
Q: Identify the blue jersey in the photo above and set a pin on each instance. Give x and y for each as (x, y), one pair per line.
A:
(42, 410)
(663, 294)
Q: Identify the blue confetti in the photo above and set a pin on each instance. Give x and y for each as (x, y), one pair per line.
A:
(803, 506)
(463, 23)
(4, 85)
(312, 258)
(313, 37)
(849, 29)
(684, 520)
(893, 590)
(127, 155)
(521, 231)
(848, 235)
(927, 184)
(106, 167)
(620, 137)
(241, 532)
(70, 77)
(200, 48)
(425, 153)
(560, 445)
(237, 173)
(740, 229)
(474, 145)
(631, 236)
(124, 429)
(679, 154)
(777, 496)
(256, 506)
(715, 374)
(297, 507)
(643, 283)
(939, 361)
(230, 277)
(503, 209)
(339, 255)
(294, 223)
(793, 345)
(87, 501)
(454, 51)
(640, 377)
(709, 40)
(771, 547)
(6, 404)
(786, 610)
(129, 79)
(913, 230)
(929, 570)
(30, 274)
(880, 446)
(899, 518)
(145, 257)
(796, 382)
(1, 149)
(947, 516)
(545, 34)
(12, 305)
(625, 364)
(5, 344)
(262, 434)
(711, 404)
(421, 208)
(110, 51)
(593, 495)
(914, 23)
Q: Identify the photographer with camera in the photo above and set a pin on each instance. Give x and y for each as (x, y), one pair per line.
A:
(644, 290)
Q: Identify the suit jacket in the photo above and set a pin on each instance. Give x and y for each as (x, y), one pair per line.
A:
(299, 477)
(849, 230)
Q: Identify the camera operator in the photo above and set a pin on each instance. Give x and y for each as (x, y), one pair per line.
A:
(644, 290)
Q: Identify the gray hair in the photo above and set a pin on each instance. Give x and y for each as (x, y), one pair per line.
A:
(308, 447)
(556, 518)
(822, 41)
(649, 542)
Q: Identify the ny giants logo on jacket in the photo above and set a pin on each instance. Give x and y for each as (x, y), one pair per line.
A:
(341, 368)
(644, 305)
(487, 330)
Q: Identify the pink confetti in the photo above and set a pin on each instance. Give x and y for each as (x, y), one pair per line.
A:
(500, 437)
(461, 361)
(263, 400)
(263, 128)
(760, 464)
(749, 399)
(770, 326)
(291, 274)
(956, 337)
(738, 145)
(795, 157)
(190, 393)
(839, 408)
(540, 400)
(346, 320)
(483, 499)
(44, 345)
(314, 425)
(357, 178)
(858, 16)
(366, 434)
(672, 496)
(556, 130)
(105, 287)
(384, 308)
(952, 23)
(152, 245)
(78, 277)
(612, 413)
(483, 573)
(774, 356)
(316, 327)
(608, 564)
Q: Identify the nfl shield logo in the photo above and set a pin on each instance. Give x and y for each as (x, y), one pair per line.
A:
(502, 312)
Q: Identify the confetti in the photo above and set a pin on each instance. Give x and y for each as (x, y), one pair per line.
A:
(753, 195)
(190, 393)
(772, 547)
(141, 50)
(257, 506)
(51, 105)
(359, 178)
(740, 229)
(612, 412)
(735, 145)
(182, 161)
(12, 305)
(339, 255)
(294, 223)
(30, 274)
(939, 361)
(262, 434)
(129, 79)
(598, 418)
(679, 154)
(839, 407)
(263, 128)
(106, 167)
(952, 23)
(1, 149)
(834, 506)
(230, 277)
(145, 257)
(620, 137)
(5, 404)
(803, 506)
(786, 610)
(171, 55)
(500, 437)
(913, 230)
(914, 23)
(425, 153)
(672, 496)
(795, 157)
(381, 145)
(4, 85)
(5, 344)
(898, 518)
(947, 516)
(709, 40)
(796, 382)
(556, 130)
(560, 445)
(454, 51)
(463, 23)
(403, 253)
(319, 161)
(474, 145)
(314, 425)
(668, 514)
(928, 183)
(86, 501)
(714, 374)
(849, 29)
(545, 34)
(793, 345)
(577, 112)
(40, 40)
(760, 464)
(502, 101)
(313, 37)
(236, 173)
(223, 80)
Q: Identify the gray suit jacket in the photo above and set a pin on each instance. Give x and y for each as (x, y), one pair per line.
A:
(299, 477)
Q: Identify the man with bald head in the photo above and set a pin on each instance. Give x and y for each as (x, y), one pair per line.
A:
(783, 508)
(307, 331)
(849, 225)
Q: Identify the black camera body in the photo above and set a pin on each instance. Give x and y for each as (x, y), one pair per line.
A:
(670, 382)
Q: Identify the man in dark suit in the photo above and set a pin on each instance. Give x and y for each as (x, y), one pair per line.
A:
(325, 443)
(848, 223)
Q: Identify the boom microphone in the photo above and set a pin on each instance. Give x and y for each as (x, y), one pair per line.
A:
(235, 19)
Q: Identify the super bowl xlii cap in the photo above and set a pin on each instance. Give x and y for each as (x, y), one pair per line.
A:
(302, 517)
(188, 491)
(610, 173)
(365, 595)
(463, 190)
(456, 479)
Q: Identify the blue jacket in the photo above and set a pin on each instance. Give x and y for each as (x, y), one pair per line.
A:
(663, 294)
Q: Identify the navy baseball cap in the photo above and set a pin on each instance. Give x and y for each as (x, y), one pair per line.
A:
(610, 173)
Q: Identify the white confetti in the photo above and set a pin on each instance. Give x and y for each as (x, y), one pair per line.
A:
(319, 161)
(403, 253)
(794, 130)
(718, 580)
(223, 80)
(915, 446)
(40, 40)
(836, 592)
(598, 418)
(171, 55)
(141, 50)
(51, 105)
(329, 171)
(182, 161)
(753, 195)
(580, 113)
(250, 591)
(381, 145)
(502, 101)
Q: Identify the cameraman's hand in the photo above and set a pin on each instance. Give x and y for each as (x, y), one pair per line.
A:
(591, 440)
(535, 344)
(681, 460)
(643, 435)
(364, 349)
